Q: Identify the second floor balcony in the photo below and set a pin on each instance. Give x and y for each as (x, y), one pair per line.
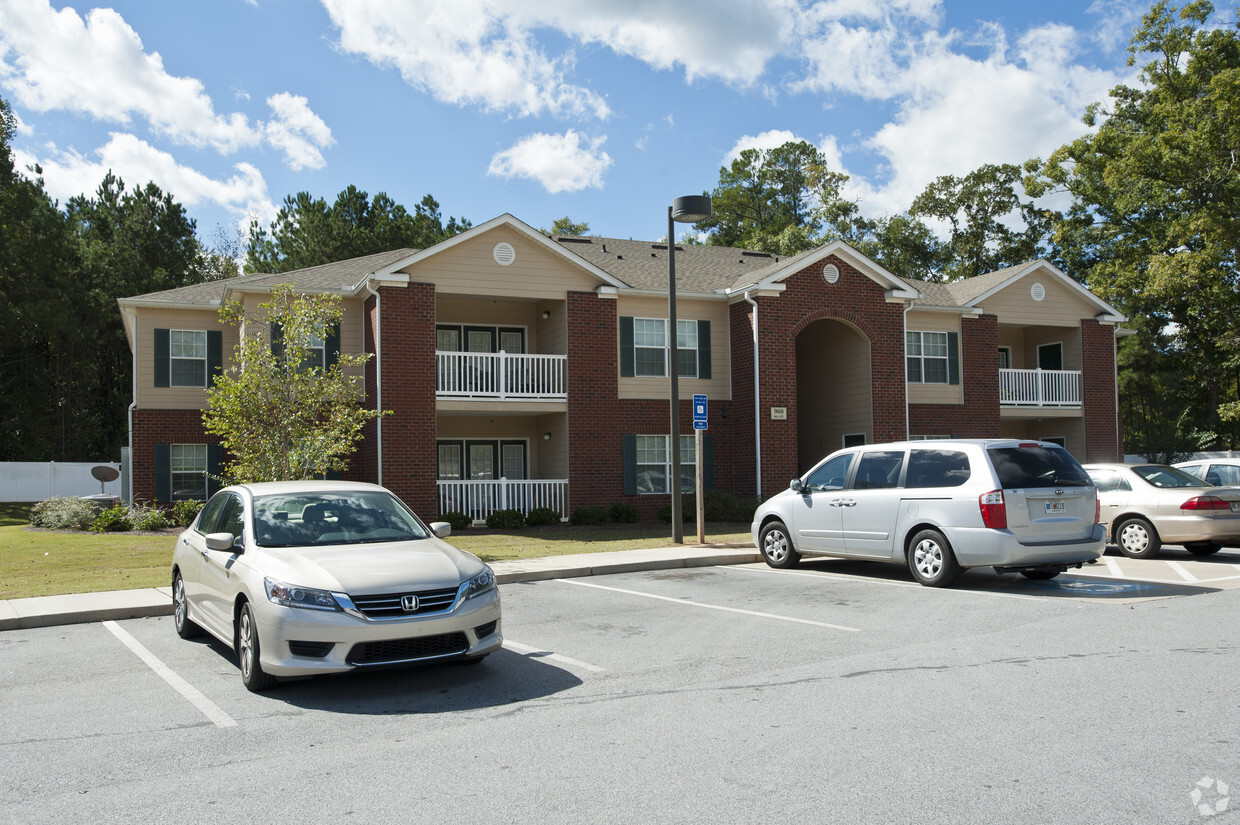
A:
(1039, 388)
(500, 375)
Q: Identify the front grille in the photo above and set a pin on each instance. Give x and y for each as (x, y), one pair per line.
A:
(406, 650)
(388, 605)
(485, 630)
(315, 650)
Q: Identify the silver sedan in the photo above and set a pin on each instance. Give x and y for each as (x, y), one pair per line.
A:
(310, 577)
(1144, 505)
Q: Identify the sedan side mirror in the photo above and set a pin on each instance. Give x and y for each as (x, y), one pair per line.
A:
(796, 486)
(441, 529)
(223, 541)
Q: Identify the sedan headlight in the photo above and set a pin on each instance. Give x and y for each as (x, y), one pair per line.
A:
(484, 582)
(290, 595)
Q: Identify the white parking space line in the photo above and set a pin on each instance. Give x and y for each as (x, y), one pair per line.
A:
(209, 709)
(862, 580)
(689, 603)
(1179, 568)
(1113, 566)
(526, 650)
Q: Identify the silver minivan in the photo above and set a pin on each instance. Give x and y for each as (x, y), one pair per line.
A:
(940, 507)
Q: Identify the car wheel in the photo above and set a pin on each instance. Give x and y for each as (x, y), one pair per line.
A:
(776, 546)
(1203, 548)
(931, 560)
(1137, 539)
(1039, 575)
(252, 675)
(185, 627)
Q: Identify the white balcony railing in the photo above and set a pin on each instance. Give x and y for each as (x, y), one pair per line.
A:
(500, 375)
(478, 499)
(1040, 388)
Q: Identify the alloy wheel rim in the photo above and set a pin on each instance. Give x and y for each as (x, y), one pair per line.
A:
(178, 602)
(246, 643)
(929, 558)
(776, 545)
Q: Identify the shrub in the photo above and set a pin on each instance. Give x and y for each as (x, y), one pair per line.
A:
(459, 521)
(589, 514)
(112, 520)
(721, 505)
(148, 518)
(506, 519)
(623, 512)
(542, 516)
(63, 514)
(185, 511)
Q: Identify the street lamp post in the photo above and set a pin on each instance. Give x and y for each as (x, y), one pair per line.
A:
(689, 209)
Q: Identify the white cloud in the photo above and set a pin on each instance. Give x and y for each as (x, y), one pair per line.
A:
(69, 173)
(472, 52)
(299, 132)
(770, 139)
(98, 67)
(561, 163)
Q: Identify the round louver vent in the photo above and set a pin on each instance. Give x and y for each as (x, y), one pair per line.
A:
(831, 273)
(504, 254)
(1037, 292)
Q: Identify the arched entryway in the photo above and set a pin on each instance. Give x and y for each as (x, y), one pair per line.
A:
(835, 395)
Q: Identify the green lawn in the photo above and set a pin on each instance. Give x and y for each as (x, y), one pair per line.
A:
(46, 563)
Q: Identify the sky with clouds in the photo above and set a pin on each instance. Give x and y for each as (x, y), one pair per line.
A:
(600, 110)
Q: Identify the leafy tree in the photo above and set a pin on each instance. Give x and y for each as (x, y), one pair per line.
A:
(279, 412)
(905, 246)
(783, 200)
(308, 232)
(1156, 192)
(565, 226)
(977, 209)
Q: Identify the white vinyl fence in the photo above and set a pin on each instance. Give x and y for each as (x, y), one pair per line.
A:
(37, 480)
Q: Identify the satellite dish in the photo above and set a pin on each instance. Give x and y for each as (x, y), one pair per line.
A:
(103, 474)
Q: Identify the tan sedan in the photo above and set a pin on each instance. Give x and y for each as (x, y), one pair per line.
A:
(1145, 505)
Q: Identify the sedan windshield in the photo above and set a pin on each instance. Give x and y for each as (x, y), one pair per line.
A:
(1168, 477)
(345, 517)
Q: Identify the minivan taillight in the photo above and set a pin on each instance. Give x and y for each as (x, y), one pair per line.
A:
(1205, 503)
(994, 511)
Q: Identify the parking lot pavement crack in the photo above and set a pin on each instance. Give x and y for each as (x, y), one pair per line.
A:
(1022, 660)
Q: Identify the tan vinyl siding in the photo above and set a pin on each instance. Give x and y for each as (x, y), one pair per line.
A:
(936, 393)
(1063, 306)
(547, 458)
(718, 386)
(151, 397)
(469, 268)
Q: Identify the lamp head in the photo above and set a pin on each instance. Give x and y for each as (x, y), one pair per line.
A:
(691, 209)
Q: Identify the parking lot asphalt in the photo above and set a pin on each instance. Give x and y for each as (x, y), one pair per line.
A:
(1115, 578)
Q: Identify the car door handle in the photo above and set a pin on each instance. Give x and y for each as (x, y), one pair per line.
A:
(843, 502)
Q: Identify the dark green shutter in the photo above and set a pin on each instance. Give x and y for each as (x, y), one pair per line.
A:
(331, 349)
(708, 461)
(215, 468)
(628, 366)
(163, 363)
(629, 452)
(277, 341)
(703, 349)
(163, 472)
(215, 355)
(953, 358)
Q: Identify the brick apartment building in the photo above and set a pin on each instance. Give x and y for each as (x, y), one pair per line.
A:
(523, 370)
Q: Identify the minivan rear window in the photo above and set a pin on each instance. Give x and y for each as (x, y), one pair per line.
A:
(1037, 466)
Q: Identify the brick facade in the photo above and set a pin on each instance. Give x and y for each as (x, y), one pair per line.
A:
(151, 427)
(978, 416)
(1102, 436)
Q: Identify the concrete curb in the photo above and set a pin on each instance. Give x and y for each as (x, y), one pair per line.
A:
(50, 611)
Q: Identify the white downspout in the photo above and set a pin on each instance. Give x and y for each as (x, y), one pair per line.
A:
(757, 401)
(378, 383)
(904, 368)
(127, 490)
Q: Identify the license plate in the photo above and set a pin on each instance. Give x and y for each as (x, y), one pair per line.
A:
(1056, 507)
(1235, 506)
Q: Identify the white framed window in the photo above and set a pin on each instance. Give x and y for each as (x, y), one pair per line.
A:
(650, 346)
(188, 464)
(187, 351)
(653, 464)
(929, 437)
(927, 357)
